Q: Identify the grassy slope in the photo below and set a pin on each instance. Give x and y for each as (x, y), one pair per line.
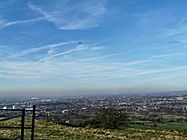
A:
(51, 131)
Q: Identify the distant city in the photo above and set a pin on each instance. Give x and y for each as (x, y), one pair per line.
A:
(160, 107)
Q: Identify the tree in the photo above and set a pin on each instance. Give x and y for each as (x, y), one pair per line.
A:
(108, 118)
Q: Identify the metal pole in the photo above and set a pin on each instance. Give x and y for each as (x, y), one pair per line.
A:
(22, 124)
(33, 122)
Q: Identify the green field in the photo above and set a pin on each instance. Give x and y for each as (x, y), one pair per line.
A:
(174, 126)
(163, 126)
(51, 131)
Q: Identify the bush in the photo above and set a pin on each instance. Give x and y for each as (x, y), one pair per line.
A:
(108, 118)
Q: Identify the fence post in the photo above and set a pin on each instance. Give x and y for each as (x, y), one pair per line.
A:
(33, 122)
(22, 124)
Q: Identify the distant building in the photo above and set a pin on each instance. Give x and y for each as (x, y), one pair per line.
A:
(65, 111)
(4, 107)
(13, 107)
(180, 98)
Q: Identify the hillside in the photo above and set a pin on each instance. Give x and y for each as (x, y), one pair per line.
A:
(51, 131)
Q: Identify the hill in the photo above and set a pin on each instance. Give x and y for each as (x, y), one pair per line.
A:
(51, 131)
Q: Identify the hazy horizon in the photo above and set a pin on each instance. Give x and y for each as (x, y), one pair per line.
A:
(88, 92)
(110, 46)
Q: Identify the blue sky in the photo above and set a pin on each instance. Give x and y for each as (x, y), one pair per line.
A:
(68, 45)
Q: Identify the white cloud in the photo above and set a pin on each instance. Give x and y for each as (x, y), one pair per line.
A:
(78, 48)
(4, 24)
(80, 71)
(50, 56)
(72, 16)
(81, 68)
(37, 49)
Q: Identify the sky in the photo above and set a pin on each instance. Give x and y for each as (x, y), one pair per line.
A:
(71, 46)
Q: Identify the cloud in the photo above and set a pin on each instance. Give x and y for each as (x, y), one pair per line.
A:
(85, 64)
(89, 71)
(37, 49)
(29, 70)
(71, 15)
(167, 77)
(170, 29)
(77, 48)
(5, 24)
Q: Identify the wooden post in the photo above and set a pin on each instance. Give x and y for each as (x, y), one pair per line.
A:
(33, 122)
(22, 124)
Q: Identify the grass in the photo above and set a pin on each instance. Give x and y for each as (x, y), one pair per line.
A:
(139, 126)
(51, 131)
(172, 126)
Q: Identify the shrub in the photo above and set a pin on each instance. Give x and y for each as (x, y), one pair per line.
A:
(108, 118)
